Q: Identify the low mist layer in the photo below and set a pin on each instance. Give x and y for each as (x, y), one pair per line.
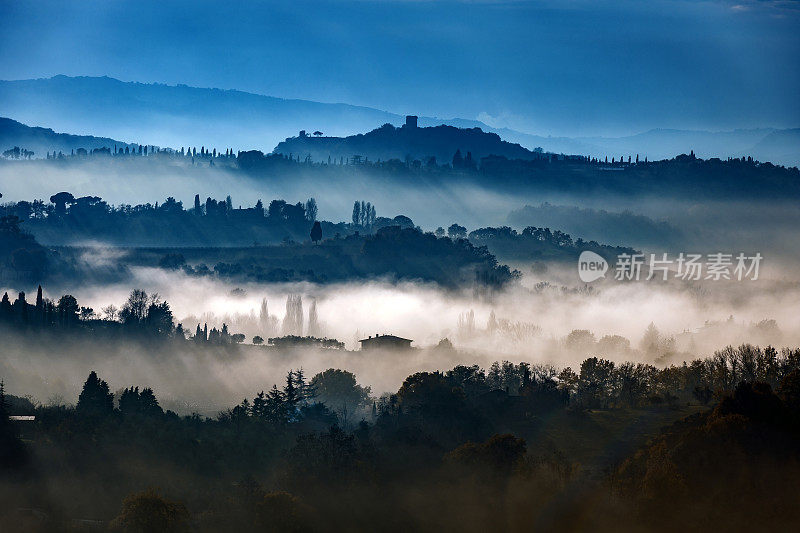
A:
(537, 321)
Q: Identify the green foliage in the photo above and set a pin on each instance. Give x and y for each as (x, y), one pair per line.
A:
(466, 449)
(340, 392)
(331, 456)
(725, 467)
(279, 511)
(497, 456)
(148, 511)
(411, 254)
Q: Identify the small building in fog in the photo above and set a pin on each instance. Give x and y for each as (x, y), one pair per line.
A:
(385, 342)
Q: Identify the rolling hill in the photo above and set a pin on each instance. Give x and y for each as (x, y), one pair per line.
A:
(407, 142)
(43, 140)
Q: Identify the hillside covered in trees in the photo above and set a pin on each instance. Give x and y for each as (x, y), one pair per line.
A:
(406, 143)
(277, 243)
(39, 141)
(393, 253)
(545, 446)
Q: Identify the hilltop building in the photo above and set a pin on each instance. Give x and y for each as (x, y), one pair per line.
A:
(386, 342)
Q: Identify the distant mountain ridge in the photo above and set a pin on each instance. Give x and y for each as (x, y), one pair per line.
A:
(179, 115)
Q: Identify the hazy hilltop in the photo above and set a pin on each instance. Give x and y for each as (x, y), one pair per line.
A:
(179, 115)
(407, 143)
(666, 143)
(43, 140)
(780, 145)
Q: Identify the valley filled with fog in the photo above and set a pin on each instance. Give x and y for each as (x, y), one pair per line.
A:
(539, 320)
(399, 266)
(541, 313)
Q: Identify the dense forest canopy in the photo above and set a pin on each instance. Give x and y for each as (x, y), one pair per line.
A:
(298, 452)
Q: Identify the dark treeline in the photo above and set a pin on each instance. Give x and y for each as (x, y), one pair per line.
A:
(446, 150)
(22, 258)
(65, 219)
(131, 150)
(392, 253)
(517, 390)
(467, 448)
(296, 341)
(141, 317)
(540, 244)
(17, 153)
(684, 176)
(415, 147)
(501, 165)
(141, 314)
(378, 246)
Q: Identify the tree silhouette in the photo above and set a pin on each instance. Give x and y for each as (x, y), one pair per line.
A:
(311, 210)
(95, 399)
(316, 232)
(68, 309)
(134, 311)
(458, 160)
(339, 390)
(60, 200)
(457, 232)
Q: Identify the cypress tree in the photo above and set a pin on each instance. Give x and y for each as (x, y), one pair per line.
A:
(95, 398)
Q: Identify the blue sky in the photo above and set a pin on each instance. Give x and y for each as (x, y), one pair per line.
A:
(574, 67)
